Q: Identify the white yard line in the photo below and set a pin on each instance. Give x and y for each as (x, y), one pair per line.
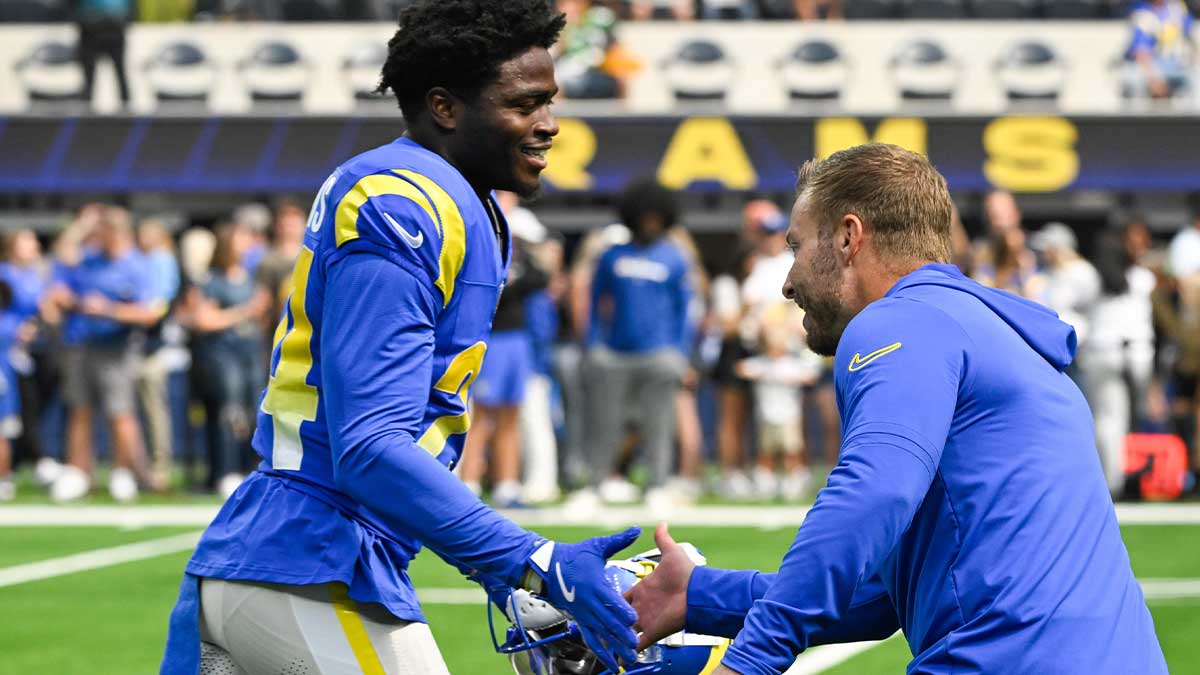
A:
(820, 659)
(1170, 589)
(763, 517)
(104, 557)
(452, 596)
(813, 661)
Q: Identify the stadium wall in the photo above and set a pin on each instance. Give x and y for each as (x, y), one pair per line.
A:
(754, 70)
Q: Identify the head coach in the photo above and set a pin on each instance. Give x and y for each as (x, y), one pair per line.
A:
(968, 508)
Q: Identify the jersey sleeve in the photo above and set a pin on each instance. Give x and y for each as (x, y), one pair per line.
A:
(377, 361)
(718, 601)
(899, 368)
(407, 215)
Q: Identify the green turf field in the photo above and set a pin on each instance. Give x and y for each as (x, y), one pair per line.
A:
(112, 620)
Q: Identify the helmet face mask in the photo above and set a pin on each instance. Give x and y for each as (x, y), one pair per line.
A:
(567, 655)
(543, 640)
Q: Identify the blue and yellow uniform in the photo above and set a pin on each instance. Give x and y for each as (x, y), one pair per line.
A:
(395, 290)
(1162, 30)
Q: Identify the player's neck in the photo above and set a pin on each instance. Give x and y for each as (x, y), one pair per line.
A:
(436, 143)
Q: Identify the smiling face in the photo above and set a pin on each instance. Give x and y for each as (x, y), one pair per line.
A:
(502, 136)
(816, 281)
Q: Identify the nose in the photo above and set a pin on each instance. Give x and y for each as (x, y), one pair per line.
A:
(789, 291)
(547, 124)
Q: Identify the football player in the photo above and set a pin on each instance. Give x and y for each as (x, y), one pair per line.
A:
(405, 255)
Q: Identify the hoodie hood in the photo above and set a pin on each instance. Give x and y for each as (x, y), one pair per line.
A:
(1037, 324)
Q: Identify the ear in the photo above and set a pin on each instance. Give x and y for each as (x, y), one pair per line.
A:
(851, 237)
(444, 108)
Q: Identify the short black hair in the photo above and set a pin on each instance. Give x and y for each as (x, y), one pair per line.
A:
(460, 45)
(647, 196)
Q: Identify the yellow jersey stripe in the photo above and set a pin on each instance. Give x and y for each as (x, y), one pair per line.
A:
(714, 658)
(290, 400)
(434, 438)
(456, 381)
(356, 633)
(346, 215)
(454, 233)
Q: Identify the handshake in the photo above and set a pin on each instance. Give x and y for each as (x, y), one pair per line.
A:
(580, 612)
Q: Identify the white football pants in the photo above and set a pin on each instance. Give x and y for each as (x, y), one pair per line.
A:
(269, 629)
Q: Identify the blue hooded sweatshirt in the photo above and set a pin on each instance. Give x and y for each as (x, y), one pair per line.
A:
(968, 507)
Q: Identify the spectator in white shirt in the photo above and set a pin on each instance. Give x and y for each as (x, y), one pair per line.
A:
(1184, 254)
(1072, 283)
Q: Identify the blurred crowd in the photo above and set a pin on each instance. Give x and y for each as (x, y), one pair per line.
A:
(1159, 63)
(1135, 305)
(628, 371)
(102, 323)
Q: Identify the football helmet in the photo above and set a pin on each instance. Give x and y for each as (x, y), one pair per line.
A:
(544, 640)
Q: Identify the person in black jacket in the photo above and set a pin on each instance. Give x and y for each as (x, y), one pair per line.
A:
(102, 25)
(499, 390)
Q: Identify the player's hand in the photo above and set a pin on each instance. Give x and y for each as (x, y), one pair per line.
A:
(660, 599)
(573, 581)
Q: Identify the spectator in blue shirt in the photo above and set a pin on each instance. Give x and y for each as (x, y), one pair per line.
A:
(12, 330)
(638, 335)
(35, 363)
(1160, 57)
(109, 299)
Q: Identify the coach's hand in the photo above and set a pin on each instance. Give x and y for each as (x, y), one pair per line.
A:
(660, 599)
(573, 580)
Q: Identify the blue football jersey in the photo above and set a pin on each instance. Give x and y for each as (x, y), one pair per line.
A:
(366, 409)
(408, 204)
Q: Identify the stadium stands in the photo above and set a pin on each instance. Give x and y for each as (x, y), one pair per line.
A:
(49, 72)
(32, 11)
(922, 70)
(816, 70)
(699, 71)
(747, 65)
(274, 71)
(1031, 70)
(1003, 9)
(361, 69)
(934, 9)
(180, 72)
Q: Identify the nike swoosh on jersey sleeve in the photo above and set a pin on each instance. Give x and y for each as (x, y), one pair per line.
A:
(410, 215)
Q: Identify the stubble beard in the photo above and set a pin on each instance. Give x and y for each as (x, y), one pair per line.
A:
(826, 312)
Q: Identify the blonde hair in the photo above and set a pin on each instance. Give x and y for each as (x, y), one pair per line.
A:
(897, 193)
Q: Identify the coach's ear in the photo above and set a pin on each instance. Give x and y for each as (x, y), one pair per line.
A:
(850, 237)
(444, 107)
